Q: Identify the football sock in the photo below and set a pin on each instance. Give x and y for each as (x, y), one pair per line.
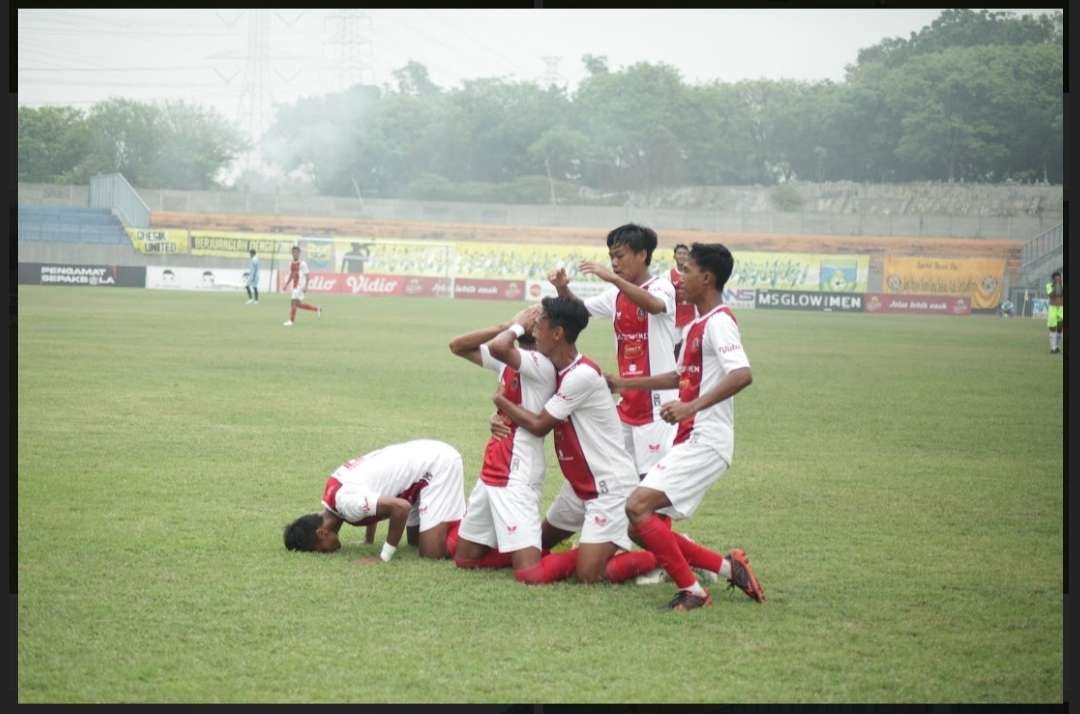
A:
(491, 559)
(292, 313)
(1057, 340)
(725, 569)
(248, 291)
(306, 306)
(256, 294)
(452, 538)
(699, 556)
(666, 520)
(661, 542)
(552, 567)
(624, 566)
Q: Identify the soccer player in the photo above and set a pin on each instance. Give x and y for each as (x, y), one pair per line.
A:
(1055, 312)
(684, 310)
(502, 521)
(298, 269)
(713, 368)
(599, 473)
(642, 309)
(417, 485)
(252, 283)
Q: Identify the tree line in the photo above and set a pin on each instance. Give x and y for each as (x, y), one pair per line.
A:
(974, 96)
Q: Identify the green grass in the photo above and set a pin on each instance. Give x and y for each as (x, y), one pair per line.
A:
(897, 483)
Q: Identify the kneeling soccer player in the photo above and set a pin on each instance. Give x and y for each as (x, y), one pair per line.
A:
(415, 484)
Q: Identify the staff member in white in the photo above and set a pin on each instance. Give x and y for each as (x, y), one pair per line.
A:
(713, 367)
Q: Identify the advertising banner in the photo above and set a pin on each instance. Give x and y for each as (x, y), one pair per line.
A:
(980, 280)
(923, 304)
(158, 242)
(474, 288)
(102, 276)
(800, 271)
(237, 244)
(536, 290)
(803, 300)
(231, 279)
(742, 298)
(524, 261)
(1039, 308)
(353, 283)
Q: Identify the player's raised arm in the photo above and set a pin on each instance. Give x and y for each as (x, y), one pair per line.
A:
(467, 346)
(559, 279)
(637, 295)
(502, 346)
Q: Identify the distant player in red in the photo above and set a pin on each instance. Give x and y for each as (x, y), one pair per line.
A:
(713, 368)
(684, 310)
(298, 278)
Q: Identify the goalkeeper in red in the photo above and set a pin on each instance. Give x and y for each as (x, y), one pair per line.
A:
(713, 368)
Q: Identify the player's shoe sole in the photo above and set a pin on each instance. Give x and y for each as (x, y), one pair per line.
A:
(743, 577)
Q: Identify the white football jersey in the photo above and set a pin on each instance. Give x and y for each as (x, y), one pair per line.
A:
(589, 437)
(530, 386)
(644, 345)
(712, 348)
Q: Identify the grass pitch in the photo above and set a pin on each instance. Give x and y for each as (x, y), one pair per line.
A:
(897, 483)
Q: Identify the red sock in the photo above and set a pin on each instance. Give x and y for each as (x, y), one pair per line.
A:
(624, 566)
(661, 541)
(452, 537)
(305, 306)
(698, 556)
(665, 519)
(292, 313)
(553, 567)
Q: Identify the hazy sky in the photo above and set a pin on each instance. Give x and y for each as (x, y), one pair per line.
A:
(78, 57)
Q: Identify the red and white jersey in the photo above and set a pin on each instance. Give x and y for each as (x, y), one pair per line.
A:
(400, 470)
(519, 455)
(644, 345)
(685, 312)
(589, 438)
(298, 271)
(711, 349)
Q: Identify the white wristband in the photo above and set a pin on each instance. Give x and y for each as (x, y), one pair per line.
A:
(387, 552)
(517, 329)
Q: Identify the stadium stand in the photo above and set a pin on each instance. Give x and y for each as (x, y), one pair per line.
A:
(67, 224)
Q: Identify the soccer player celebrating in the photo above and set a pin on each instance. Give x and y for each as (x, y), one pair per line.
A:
(298, 270)
(417, 485)
(253, 279)
(684, 310)
(1055, 313)
(713, 368)
(599, 474)
(502, 521)
(642, 308)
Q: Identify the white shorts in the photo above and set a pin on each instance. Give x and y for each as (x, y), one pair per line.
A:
(504, 517)
(600, 520)
(298, 294)
(684, 475)
(443, 499)
(648, 443)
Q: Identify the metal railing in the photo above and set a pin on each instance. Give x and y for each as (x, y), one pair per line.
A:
(1041, 255)
(112, 191)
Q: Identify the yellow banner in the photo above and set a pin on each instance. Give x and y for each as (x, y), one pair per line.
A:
(980, 279)
(158, 242)
(237, 244)
(800, 271)
(524, 261)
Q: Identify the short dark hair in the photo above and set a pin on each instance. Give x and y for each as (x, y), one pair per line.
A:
(300, 534)
(567, 313)
(252, 251)
(1056, 273)
(680, 245)
(527, 341)
(636, 238)
(714, 258)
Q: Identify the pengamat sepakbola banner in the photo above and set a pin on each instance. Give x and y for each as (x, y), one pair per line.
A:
(979, 279)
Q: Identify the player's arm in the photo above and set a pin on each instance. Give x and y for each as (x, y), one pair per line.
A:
(468, 345)
(561, 281)
(397, 510)
(737, 380)
(502, 346)
(637, 294)
(667, 380)
(537, 424)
